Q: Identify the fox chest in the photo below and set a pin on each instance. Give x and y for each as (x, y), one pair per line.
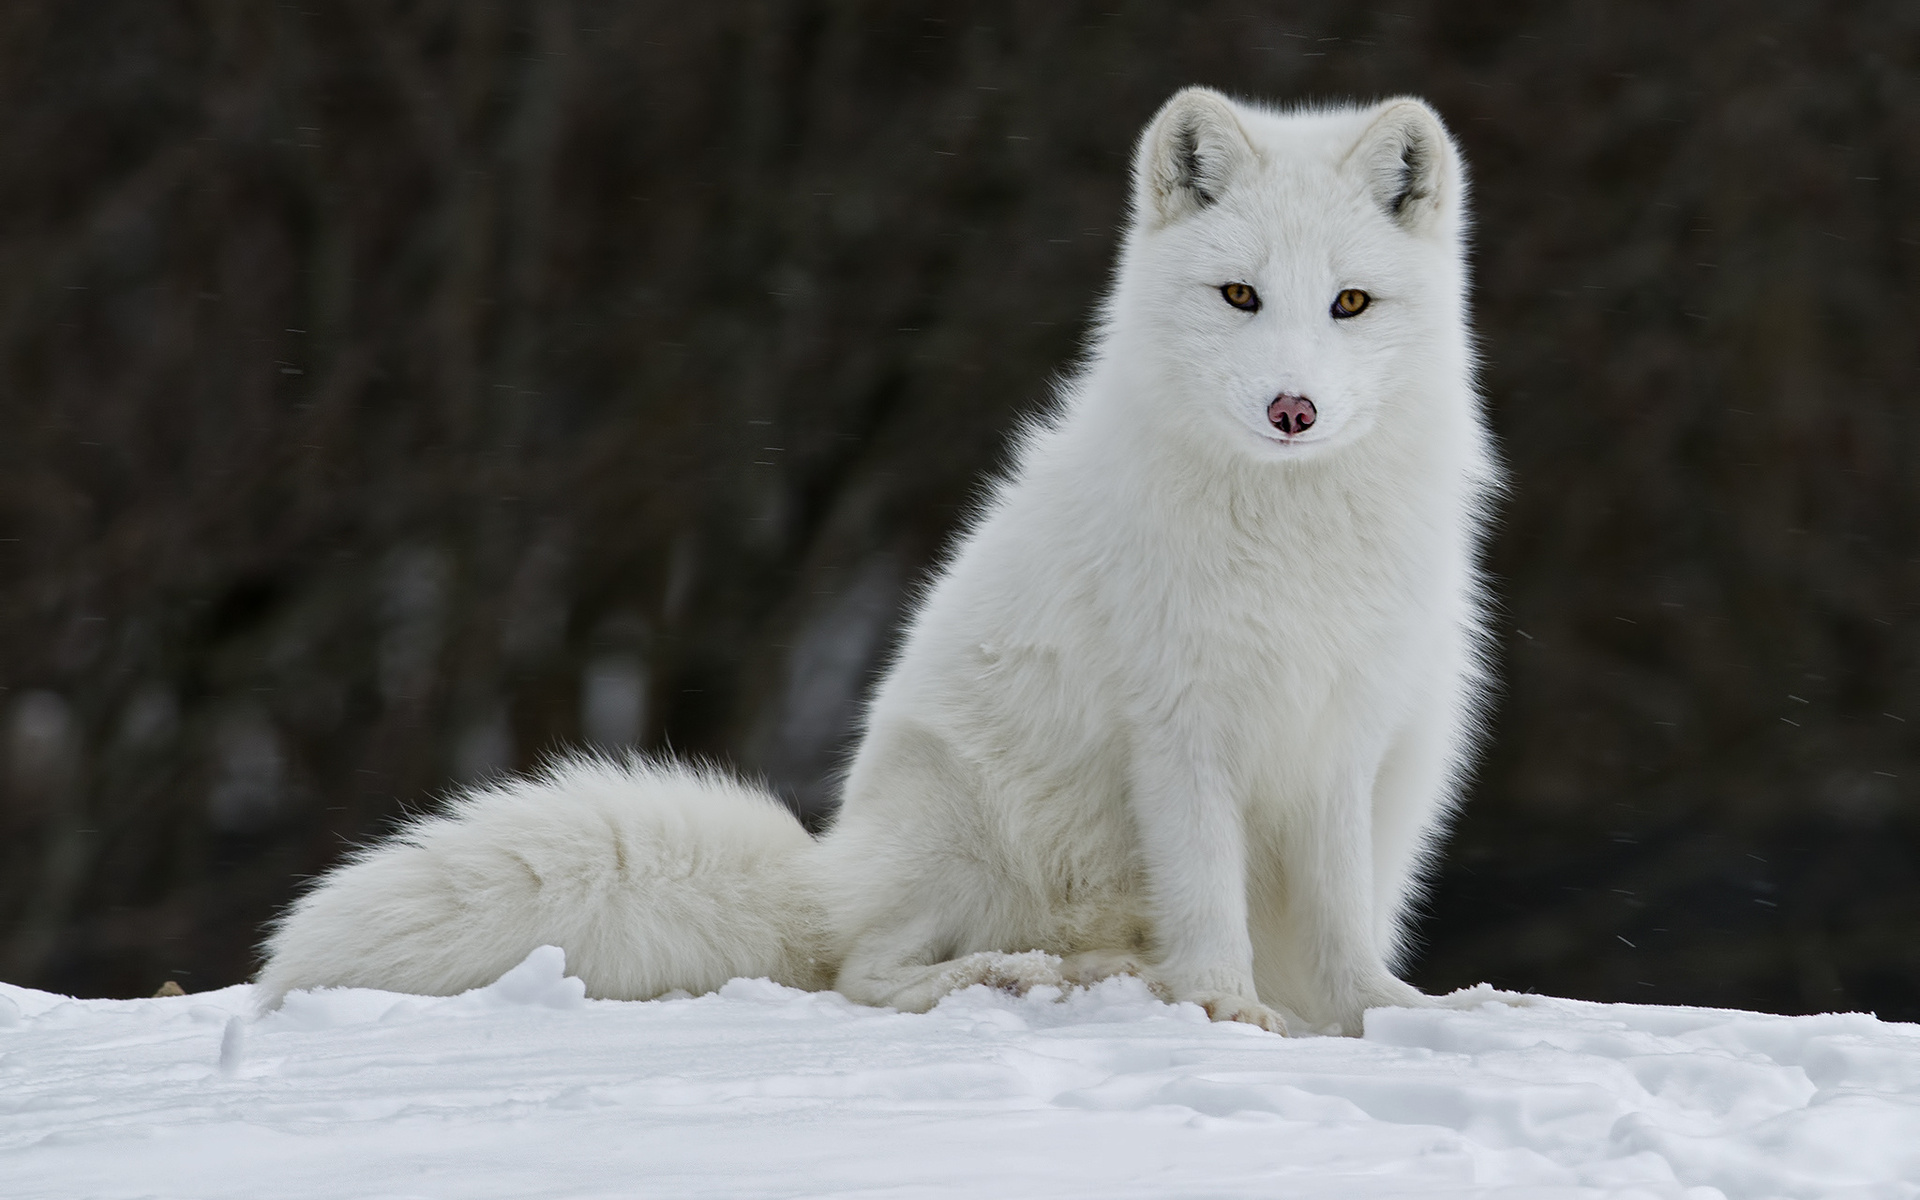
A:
(1286, 640)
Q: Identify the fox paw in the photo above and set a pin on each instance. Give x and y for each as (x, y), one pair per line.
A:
(1225, 1006)
(1092, 966)
(1382, 992)
(1017, 974)
(1388, 992)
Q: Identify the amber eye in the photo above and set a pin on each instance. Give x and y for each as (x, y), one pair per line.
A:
(1241, 297)
(1351, 303)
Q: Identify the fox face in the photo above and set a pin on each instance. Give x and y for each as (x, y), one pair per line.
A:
(1289, 278)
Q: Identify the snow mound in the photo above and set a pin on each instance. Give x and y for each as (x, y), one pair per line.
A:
(526, 1088)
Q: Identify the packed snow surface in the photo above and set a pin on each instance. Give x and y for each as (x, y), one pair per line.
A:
(526, 1088)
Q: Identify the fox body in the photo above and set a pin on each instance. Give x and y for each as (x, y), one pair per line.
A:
(1190, 699)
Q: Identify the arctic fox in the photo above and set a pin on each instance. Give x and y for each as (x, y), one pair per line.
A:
(1191, 698)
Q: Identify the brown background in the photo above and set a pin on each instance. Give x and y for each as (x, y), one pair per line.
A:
(392, 393)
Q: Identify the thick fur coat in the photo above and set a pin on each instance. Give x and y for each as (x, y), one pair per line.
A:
(1191, 699)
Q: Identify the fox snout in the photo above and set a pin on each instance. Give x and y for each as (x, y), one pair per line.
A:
(1292, 415)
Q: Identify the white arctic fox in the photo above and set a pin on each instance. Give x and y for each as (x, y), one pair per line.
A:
(1191, 699)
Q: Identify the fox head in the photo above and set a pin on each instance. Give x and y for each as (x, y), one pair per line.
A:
(1291, 281)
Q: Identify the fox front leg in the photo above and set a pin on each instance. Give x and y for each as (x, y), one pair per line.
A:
(1329, 864)
(1193, 844)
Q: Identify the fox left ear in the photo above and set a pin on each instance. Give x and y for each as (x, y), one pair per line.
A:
(1191, 151)
(1410, 164)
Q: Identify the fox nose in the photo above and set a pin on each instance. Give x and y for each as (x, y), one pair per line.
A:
(1292, 414)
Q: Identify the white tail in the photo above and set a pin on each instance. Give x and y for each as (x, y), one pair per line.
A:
(652, 876)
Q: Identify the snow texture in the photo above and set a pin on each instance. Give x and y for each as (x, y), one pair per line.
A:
(526, 1088)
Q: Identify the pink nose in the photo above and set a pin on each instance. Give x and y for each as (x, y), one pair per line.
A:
(1292, 414)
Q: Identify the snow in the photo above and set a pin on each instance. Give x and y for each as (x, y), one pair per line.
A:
(526, 1088)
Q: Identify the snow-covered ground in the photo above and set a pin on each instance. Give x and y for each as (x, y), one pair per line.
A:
(526, 1089)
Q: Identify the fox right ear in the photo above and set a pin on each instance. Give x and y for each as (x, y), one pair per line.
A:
(1191, 150)
(1410, 164)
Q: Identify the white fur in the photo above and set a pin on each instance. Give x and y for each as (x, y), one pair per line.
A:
(1191, 699)
(652, 877)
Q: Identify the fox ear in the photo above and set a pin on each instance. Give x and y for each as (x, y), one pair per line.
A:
(1191, 151)
(1409, 164)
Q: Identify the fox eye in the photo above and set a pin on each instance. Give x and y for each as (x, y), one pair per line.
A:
(1241, 296)
(1351, 303)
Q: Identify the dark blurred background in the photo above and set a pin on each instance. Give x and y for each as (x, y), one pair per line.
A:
(394, 393)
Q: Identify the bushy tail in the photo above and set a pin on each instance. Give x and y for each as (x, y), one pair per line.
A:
(651, 876)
